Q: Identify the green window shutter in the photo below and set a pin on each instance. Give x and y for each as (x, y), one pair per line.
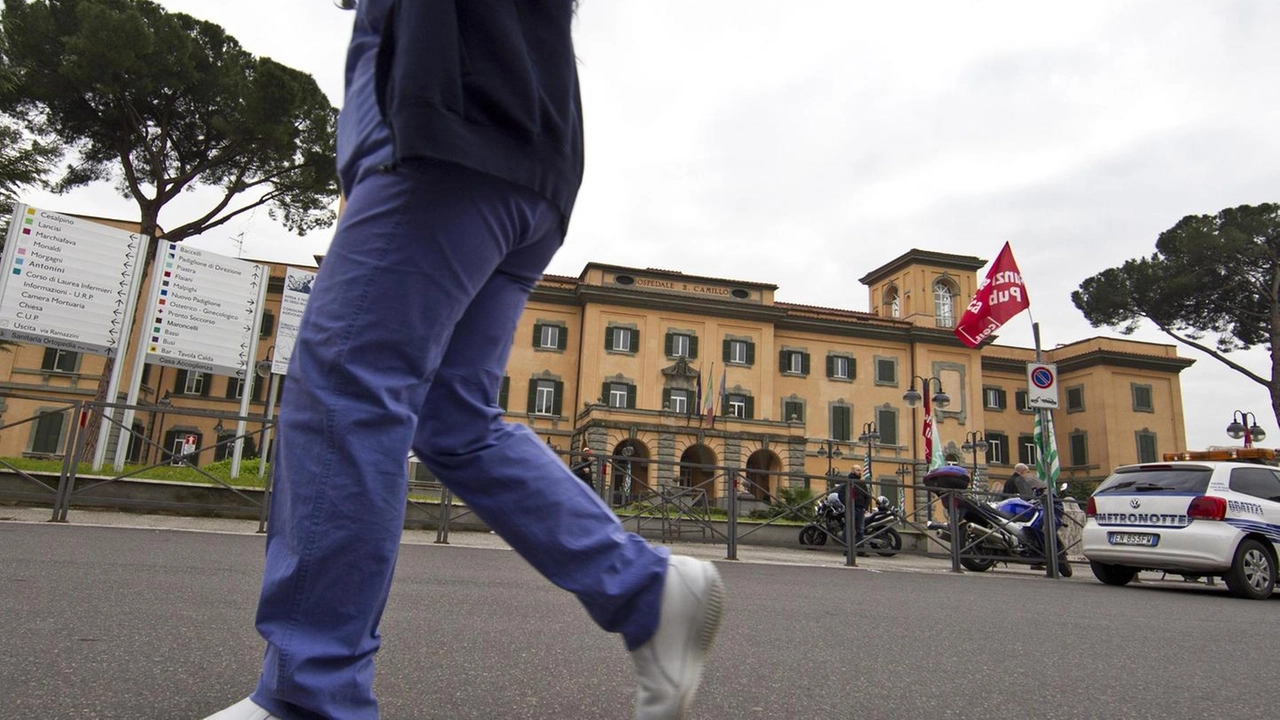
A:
(537, 334)
(635, 340)
(666, 398)
(504, 392)
(533, 396)
(48, 433)
(728, 348)
(804, 363)
(562, 338)
(604, 393)
(557, 401)
(180, 383)
(831, 366)
(887, 425)
(783, 360)
(268, 324)
(204, 385)
(1004, 398)
(668, 344)
(749, 405)
(608, 338)
(631, 396)
(693, 347)
(853, 368)
(840, 423)
(751, 353)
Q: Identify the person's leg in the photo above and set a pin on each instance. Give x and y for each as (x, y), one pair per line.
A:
(514, 482)
(413, 248)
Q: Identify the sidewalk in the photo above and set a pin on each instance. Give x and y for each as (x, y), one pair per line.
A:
(902, 562)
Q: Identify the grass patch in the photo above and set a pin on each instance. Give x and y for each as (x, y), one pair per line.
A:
(170, 473)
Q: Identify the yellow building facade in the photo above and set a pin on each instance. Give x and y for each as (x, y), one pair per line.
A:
(625, 361)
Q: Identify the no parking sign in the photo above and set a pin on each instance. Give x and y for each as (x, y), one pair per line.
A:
(1042, 386)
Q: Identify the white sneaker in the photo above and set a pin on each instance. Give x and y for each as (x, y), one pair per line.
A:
(669, 666)
(246, 709)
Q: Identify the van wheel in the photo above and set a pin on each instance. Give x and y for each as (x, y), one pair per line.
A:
(1253, 573)
(1112, 574)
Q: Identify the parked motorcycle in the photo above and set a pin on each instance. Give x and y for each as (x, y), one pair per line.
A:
(879, 535)
(1005, 531)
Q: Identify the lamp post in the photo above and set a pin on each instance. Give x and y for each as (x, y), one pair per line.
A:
(830, 449)
(869, 437)
(1245, 425)
(912, 397)
(975, 442)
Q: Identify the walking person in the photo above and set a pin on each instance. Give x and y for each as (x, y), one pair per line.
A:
(460, 157)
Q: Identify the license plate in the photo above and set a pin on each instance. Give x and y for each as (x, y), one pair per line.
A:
(1147, 539)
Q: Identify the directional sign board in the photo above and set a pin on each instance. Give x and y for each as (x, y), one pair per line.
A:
(205, 310)
(297, 289)
(68, 282)
(1042, 386)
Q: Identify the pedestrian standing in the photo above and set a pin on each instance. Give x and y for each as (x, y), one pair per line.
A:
(460, 157)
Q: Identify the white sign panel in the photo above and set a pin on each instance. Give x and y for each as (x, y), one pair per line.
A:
(297, 290)
(206, 310)
(67, 282)
(1042, 386)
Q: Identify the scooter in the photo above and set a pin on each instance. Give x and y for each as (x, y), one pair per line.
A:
(1008, 531)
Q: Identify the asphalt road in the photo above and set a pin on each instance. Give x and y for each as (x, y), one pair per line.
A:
(102, 622)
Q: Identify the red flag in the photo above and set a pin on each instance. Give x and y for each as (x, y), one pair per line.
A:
(1000, 296)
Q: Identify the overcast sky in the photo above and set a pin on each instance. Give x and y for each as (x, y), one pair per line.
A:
(805, 143)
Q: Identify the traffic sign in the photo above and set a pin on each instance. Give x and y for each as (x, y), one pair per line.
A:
(1042, 386)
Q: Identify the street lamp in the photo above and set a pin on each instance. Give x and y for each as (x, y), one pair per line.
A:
(870, 436)
(830, 450)
(913, 397)
(975, 443)
(1237, 428)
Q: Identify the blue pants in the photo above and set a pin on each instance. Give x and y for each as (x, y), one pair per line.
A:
(403, 345)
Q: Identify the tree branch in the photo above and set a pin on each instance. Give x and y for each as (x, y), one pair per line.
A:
(1215, 354)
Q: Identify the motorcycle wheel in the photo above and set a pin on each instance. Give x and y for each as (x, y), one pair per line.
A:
(976, 564)
(1064, 566)
(813, 535)
(887, 543)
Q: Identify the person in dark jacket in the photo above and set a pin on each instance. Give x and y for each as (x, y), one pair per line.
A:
(861, 490)
(460, 156)
(1011, 485)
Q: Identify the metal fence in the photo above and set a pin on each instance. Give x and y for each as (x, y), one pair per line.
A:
(704, 503)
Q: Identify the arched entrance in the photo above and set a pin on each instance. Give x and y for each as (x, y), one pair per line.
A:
(693, 476)
(762, 480)
(629, 471)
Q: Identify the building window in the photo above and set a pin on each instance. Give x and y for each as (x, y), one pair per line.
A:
(621, 339)
(1022, 399)
(841, 367)
(549, 336)
(46, 436)
(677, 400)
(793, 411)
(504, 392)
(739, 352)
(793, 362)
(841, 422)
(1027, 451)
(268, 324)
(944, 304)
(1079, 448)
(545, 397)
(994, 398)
(1142, 401)
(893, 301)
(235, 388)
(1146, 446)
(1075, 398)
(682, 345)
(60, 360)
(619, 395)
(886, 371)
(997, 448)
(191, 382)
(887, 425)
(738, 405)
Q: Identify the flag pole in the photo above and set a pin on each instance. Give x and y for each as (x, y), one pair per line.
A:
(1050, 527)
